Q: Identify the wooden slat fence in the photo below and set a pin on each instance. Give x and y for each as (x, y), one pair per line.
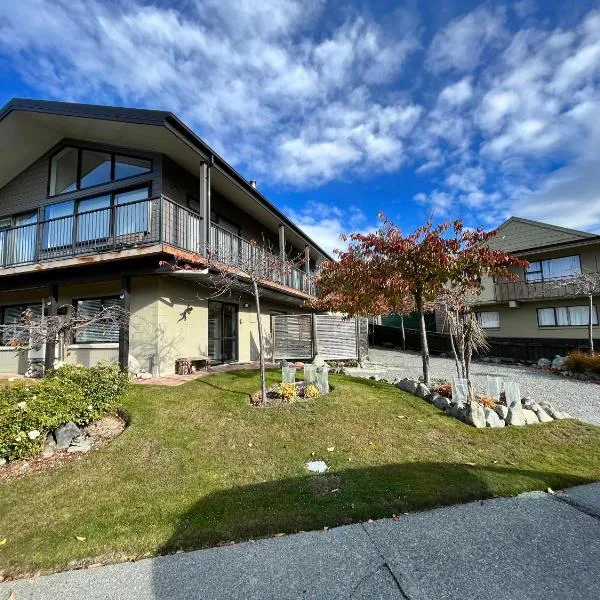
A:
(332, 336)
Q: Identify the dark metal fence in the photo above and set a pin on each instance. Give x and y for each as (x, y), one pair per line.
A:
(517, 349)
(135, 224)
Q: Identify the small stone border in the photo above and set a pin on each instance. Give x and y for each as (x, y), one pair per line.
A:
(474, 414)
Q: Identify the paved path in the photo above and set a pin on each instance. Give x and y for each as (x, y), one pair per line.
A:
(533, 546)
(580, 399)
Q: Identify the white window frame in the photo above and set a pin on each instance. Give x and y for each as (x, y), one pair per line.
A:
(488, 312)
(568, 315)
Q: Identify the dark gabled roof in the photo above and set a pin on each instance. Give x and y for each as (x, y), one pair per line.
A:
(151, 117)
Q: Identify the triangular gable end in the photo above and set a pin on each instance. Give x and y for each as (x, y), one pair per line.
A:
(516, 234)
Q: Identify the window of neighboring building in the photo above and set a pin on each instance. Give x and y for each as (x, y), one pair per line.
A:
(553, 268)
(103, 325)
(489, 319)
(74, 169)
(13, 319)
(566, 316)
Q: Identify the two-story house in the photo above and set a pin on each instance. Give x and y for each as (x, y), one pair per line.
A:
(96, 200)
(538, 304)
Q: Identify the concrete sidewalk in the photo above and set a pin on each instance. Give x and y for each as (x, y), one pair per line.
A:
(533, 546)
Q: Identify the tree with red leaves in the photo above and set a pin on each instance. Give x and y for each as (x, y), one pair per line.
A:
(387, 271)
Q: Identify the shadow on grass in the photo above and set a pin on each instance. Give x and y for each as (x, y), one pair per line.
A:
(312, 502)
(347, 496)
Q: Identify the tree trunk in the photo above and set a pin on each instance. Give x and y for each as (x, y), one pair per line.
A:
(261, 345)
(403, 334)
(424, 344)
(591, 325)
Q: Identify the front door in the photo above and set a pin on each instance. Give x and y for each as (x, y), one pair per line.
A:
(222, 332)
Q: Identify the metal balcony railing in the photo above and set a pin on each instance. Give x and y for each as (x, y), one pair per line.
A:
(540, 290)
(136, 224)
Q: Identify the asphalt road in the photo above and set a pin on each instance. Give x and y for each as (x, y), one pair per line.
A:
(536, 545)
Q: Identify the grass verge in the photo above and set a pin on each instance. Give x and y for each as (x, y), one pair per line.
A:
(199, 466)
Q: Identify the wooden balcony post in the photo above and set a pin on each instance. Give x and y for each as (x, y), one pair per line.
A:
(51, 312)
(306, 285)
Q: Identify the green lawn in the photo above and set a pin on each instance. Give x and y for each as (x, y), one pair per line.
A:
(198, 465)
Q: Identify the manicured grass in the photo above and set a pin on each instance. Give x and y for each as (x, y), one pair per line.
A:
(198, 465)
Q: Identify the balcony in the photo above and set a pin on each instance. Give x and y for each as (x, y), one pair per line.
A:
(523, 291)
(135, 225)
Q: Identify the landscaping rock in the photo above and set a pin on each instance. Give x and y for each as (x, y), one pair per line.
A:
(80, 443)
(527, 402)
(501, 411)
(541, 414)
(319, 361)
(408, 385)
(143, 375)
(544, 362)
(317, 466)
(440, 402)
(422, 391)
(559, 363)
(530, 417)
(458, 411)
(3, 461)
(65, 433)
(492, 419)
(555, 414)
(515, 416)
(475, 415)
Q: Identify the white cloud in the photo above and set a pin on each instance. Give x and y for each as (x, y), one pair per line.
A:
(325, 224)
(461, 43)
(458, 93)
(440, 202)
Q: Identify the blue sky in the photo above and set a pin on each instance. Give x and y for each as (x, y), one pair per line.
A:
(342, 109)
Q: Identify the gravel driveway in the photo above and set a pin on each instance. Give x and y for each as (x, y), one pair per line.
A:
(580, 399)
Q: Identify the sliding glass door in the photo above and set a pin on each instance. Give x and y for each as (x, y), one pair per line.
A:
(222, 332)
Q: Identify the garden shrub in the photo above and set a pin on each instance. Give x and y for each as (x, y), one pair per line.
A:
(579, 362)
(29, 410)
(311, 391)
(287, 391)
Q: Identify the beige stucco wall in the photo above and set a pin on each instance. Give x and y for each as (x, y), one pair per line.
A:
(522, 321)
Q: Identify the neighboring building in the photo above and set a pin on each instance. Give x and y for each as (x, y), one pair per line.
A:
(94, 200)
(535, 305)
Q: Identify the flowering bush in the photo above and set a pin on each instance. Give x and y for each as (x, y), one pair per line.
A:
(443, 389)
(29, 410)
(486, 401)
(287, 391)
(311, 391)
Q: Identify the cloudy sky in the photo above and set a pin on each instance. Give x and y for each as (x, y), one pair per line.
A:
(342, 109)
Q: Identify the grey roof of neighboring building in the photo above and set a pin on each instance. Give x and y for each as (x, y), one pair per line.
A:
(519, 235)
(150, 117)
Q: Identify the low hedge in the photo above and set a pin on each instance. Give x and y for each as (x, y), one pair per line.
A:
(29, 410)
(579, 362)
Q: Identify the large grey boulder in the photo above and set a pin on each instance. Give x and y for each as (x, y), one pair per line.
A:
(559, 362)
(475, 414)
(501, 411)
(530, 417)
(80, 443)
(553, 412)
(458, 411)
(541, 414)
(491, 418)
(408, 385)
(65, 433)
(544, 362)
(515, 416)
(422, 391)
(319, 361)
(440, 402)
